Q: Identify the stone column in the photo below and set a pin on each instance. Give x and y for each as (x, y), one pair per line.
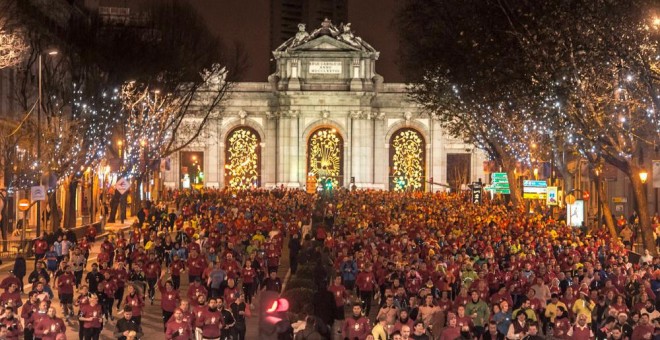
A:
(381, 154)
(212, 166)
(288, 155)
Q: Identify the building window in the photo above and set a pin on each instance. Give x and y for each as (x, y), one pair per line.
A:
(407, 161)
(243, 159)
(325, 156)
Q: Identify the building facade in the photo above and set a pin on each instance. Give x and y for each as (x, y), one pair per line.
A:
(324, 113)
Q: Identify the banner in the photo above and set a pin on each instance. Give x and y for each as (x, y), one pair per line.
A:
(552, 196)
(476, 192)
(575, 213)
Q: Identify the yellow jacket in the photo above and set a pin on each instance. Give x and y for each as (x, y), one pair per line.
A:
(379, 332)
(581, 306)
(551, 310)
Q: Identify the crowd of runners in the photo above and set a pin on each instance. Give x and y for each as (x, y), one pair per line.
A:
(397, 265)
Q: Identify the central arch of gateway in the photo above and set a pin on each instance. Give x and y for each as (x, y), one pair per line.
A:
(326, 112)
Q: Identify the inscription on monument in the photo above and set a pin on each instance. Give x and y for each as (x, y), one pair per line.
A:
(325, 67)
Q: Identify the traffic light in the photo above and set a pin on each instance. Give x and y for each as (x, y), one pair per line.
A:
(328, 184)
(273, 319)
(401, 182)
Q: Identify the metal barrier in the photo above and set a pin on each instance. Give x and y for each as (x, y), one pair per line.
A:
(9, 249)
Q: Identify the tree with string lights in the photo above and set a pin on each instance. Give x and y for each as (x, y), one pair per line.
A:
(603, 70)
(13, 44)
(174, 91)
(453, 54)
(158, 124)
(585, 71)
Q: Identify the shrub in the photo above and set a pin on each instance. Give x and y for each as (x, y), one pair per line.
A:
(300, 300)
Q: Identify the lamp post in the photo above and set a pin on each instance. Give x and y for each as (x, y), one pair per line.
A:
(104, 215)
(51, 53)
(643, 176)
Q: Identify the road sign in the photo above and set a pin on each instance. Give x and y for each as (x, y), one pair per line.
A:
(24, 204)
(38, 193)
(535, 184)
(618, 199)
(122, 185)
(500, 183)
(569, 199)
(552, 197)
(499, 177)
(535, 189)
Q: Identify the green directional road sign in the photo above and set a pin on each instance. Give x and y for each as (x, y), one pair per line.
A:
(500, 183)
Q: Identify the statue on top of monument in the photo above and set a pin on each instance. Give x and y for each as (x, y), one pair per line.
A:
(347, 36)
(344, 34)
(301, 37)
(327, 28)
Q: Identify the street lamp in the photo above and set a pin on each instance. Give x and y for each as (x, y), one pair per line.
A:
(643, 176)
(50, 52)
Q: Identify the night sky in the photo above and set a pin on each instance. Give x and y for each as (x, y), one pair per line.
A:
(248, 21)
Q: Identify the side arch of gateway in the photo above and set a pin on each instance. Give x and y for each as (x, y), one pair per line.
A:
(326, 111)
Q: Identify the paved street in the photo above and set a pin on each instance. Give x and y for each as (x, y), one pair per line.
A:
(152, 316)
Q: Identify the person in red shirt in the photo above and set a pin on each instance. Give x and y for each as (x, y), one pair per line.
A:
(50, 327)
(199, 306)
(84, 247)
(195, 290)
(341, 296)
(210, 321)
(119, 276)
(366, 284)
(13, 324)
(81, 300)
(151, 273)
(11, 297)
(103, 257)
(135, 301)
(176, 267)
(644, 330)
(357, 326)
(6, 282)
(231, 292)
(169, 299)
(248, 277)
(231, 266)
(272, 258)
(196, 265)
(30, 307)
(40, 248)
(65, 283)
(107, 289)
(91, 315)
(178, 328)
(108, 248)
(91, 234)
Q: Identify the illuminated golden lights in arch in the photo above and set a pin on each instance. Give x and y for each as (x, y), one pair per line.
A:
(407, 158)
(243, 159)
(325, 155)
